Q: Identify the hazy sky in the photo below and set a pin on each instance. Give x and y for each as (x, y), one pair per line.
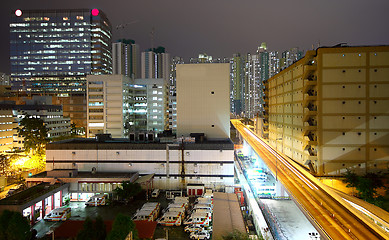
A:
(223, 27)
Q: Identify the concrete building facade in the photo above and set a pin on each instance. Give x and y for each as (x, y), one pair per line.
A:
(106, 95)
(329, 110)
(119, 105)
(173, 165)
(203, 100)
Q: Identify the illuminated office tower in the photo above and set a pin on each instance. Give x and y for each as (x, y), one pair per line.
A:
(125, 58)
(52, 51)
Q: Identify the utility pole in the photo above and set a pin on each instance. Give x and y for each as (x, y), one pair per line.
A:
(152, 34)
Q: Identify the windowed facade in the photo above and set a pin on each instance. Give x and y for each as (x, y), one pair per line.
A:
(53, 50)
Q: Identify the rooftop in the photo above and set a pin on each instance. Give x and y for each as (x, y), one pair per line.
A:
(126, 144)
(29, 194)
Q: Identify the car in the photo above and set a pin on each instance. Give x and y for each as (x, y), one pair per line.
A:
(200, 235)
(193, 228)
(209, 229)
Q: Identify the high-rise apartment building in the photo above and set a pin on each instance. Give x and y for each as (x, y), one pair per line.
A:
(155, 65)
(329, 110)
(237, 84)
(125, 58)
(252, 87)
(173, 93)
(52, 51)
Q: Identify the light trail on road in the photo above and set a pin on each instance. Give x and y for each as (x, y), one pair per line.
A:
(333, 217)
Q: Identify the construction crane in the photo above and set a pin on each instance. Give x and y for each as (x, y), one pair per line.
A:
(122, 26)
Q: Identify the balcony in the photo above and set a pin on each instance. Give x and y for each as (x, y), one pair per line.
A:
(309, 70)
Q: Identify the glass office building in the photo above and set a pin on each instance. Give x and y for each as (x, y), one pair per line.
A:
(52, 51)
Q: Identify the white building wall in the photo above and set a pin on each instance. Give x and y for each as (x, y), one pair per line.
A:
(203, 104)
(214, 168)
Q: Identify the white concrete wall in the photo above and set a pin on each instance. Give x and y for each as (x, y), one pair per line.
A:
(203, 104)
(214, 168)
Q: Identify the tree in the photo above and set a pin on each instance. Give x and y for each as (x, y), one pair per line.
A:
(92, 230)
(121, 227)
(87, 231)
(236, 235)
(5, 163)
(366, 186)
(13, 226)
(127, 190)
(35, 134)
(100, 229)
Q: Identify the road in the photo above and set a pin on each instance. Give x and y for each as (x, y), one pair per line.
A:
(335, 218)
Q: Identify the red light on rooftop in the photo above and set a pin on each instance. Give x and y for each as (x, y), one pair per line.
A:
(18, 12)
(95, 12)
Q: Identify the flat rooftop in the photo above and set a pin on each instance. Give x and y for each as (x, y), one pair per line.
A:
(87, 174)
(227, 215)
(125, 144)
(28, 194)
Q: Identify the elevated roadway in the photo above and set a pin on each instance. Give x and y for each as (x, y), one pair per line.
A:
(331, 215)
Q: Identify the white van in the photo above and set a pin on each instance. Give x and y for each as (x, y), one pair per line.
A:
(181, 200)
(96, 200)
(58, 214)
(177, 209)
(184, 205)
(144, 215)
(171, 219)
(203, 206)
(155, 193)
(203, 200)
(198, 218)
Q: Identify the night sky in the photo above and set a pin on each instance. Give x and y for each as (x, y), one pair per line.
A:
(223, 27)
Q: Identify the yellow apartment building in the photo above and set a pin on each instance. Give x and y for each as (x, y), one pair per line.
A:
(329, 111)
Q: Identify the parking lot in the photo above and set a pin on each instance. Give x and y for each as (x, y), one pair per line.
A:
(80, 212)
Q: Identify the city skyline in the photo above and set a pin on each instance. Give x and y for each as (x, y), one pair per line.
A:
(222, 28)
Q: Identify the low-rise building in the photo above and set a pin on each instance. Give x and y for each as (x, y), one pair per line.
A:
(174, 165)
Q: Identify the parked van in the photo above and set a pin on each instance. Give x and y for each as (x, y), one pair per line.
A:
(202, 211)
(145, 215)
(155, 193)
(177, 209)
(181, 200)
(149, 205)
(184, 205)
(203, 206)
(198, 218)
(58, 214)
(97, 200)
(148, 212)
(171, 219)
(204, 200)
